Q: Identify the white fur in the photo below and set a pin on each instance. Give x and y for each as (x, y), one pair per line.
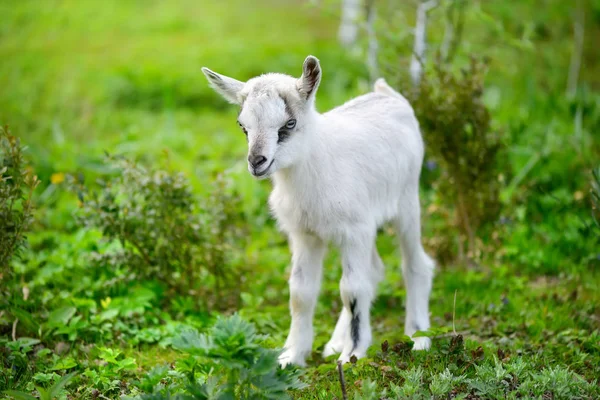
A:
(337, 178)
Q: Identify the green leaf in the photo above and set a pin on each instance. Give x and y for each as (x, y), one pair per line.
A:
(422, 334)
(43, 353)
(432, 332)
(60, 384)
(108, 315)
(61, 316)
(126, 364)
(27, 342)
(190, 341)
(44, 394)
(41, 377)
(66, 363)
(19, 395)
(266, 362)
(109, 355)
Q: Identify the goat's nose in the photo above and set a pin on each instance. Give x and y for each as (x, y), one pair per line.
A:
(256, 160)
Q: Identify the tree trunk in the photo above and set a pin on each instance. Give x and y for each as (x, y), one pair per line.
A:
(373, 44)
(348, 32)
(420, 43)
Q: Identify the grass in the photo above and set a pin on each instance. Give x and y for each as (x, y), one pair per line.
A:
(79, 78)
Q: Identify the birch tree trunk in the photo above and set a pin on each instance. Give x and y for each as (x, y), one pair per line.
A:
(348, 32)
(373, 46)
(418, 56)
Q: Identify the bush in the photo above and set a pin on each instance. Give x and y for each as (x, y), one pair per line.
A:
(457, 128)
(164, 234)
(228, 363)
(17, 184)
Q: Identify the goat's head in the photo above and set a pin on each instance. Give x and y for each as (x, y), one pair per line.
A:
(276, 110)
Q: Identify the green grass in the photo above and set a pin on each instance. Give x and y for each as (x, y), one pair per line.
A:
(81, 77)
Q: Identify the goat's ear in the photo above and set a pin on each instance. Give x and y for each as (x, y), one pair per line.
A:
(311, 76)
(227, 87)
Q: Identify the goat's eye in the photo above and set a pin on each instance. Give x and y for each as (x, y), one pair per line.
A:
(243, 129)
(290, 124)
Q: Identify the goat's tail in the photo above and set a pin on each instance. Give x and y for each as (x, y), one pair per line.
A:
(382, 87)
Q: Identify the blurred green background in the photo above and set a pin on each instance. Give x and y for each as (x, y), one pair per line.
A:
(81, 77)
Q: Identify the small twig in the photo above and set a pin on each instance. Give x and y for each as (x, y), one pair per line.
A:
(454, 313)
(342, 381)
(14, 329)
(451, 334)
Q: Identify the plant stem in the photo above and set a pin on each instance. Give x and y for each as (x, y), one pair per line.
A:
(342, 380)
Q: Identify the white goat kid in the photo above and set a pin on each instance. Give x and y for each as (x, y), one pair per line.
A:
(337, 177)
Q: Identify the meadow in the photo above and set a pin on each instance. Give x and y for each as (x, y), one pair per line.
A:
(152, 268)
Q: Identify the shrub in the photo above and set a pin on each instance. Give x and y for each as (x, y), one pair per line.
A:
(228, 363)
(17, 184)
(457, 128)
(164, 234)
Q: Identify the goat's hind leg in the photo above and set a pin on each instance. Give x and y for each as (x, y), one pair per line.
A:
(339, 336)
(342, 327)
(341, 333)
(357, 292)
(305, 282)
(417, 268)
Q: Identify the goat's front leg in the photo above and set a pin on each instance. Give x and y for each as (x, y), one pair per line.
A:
(305, 281)
(357, 291)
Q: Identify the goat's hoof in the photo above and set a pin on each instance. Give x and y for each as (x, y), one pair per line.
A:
(346, 357)
(332, 348)
(421, 343)
(291, 357)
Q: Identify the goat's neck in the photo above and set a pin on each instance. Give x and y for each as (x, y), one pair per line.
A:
(305, 168)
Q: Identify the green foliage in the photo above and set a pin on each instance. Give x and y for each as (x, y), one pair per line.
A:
(595, 196)
(442, 384)
(413, 386)
(561, 382)
(14, 361)
(457, 128)
(17, 184)
(227, 363)
(114, 362)
(490, 381)
(163, 233)
(50, 393)
(467, 372)
(369, 391)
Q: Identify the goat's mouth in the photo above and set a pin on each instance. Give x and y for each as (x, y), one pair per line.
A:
(264, 172)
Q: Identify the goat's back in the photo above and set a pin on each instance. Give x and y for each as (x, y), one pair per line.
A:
(378, 134)
(366, 159)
